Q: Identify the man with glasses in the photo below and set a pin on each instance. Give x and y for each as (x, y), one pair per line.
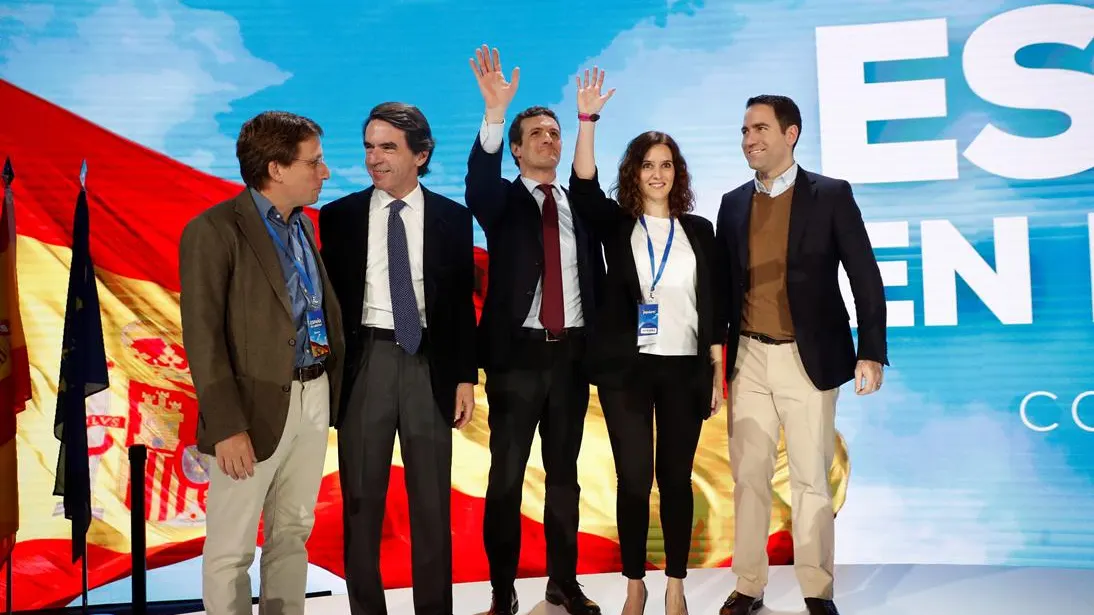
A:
(263, 334)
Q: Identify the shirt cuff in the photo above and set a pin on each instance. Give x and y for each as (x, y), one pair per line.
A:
(490, 136)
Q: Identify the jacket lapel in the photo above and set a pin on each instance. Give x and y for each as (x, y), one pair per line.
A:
(359, 228)
(432, 249)
(535, 220)
(630, 267)
(801, 205)
(702, 282)
(688, 227)
(742, 216)
(255, 233)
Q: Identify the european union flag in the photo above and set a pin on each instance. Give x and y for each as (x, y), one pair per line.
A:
(83, 373)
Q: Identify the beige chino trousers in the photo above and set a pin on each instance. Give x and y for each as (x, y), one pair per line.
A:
(770, 390)
(284, 490)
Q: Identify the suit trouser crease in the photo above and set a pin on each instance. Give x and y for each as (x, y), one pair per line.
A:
(664, 389)
(283, 493)
(770, 389)
(546, 388)
(392, 394)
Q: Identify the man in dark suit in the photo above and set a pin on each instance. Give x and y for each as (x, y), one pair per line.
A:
(263, 333)
(543, 273)
(784, 235)
(401, 259)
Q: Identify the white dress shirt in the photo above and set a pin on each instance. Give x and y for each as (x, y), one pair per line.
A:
(490, 136)
(677, 315)
(377, 310)
(780, 184)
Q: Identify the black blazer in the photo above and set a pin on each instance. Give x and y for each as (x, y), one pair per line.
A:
(826, 229)
(449, 269)
(512, 222)
(613, 349)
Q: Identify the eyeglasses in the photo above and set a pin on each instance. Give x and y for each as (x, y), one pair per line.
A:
(314, 163)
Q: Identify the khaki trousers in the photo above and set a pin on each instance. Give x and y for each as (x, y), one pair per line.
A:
(771, 389)
(284, 490)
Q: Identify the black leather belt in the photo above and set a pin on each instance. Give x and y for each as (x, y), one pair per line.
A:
(376, 333)
(543, 335)
(388, 335)
(767, 339)
(311, 372)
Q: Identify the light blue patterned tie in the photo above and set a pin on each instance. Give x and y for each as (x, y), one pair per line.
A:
(404, 306)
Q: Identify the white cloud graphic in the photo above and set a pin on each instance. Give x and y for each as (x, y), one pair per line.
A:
(156, 74)
(932, 483)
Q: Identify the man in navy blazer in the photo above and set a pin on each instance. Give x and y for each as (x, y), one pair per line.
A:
(783, 235)
(401, 260)
(544, 270)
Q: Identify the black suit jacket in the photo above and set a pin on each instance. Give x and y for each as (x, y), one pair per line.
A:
(826, 229)
(613, 349)
(449, 269)
(512, 222)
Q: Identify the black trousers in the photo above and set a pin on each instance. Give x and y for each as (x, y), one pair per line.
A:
(393, 394)
(666, 388)
(546, 387)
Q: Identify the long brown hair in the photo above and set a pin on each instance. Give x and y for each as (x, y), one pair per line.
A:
(629, 193)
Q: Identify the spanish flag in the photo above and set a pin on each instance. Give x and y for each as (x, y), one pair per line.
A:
(141, 200)
(14, 369)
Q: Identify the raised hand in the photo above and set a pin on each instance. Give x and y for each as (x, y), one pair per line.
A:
(496, 91)
(589, 98)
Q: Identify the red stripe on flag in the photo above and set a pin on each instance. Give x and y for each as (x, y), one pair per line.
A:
(139, 199)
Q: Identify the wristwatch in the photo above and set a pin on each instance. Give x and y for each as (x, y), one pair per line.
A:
(591, 117)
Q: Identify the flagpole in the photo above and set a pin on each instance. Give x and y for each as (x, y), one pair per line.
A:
(83, 559)
(138, 455)
(83, 566)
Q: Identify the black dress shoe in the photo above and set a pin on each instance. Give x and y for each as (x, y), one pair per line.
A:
(502, 599)
(820, 606)
(740, 604)
(569, 596)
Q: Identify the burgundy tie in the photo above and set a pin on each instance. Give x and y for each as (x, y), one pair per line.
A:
(551, 312)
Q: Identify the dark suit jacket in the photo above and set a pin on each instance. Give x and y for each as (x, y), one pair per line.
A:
(613, 349)
(512, 222)
(237, 325)
(826, 229)
(449, 269)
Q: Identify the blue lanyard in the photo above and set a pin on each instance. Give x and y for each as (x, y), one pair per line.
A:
(664, 255)
(296, 263)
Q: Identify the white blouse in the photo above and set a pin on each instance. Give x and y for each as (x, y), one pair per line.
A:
(678, 318)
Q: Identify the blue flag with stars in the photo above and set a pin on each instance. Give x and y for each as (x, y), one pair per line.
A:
(83, 373)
